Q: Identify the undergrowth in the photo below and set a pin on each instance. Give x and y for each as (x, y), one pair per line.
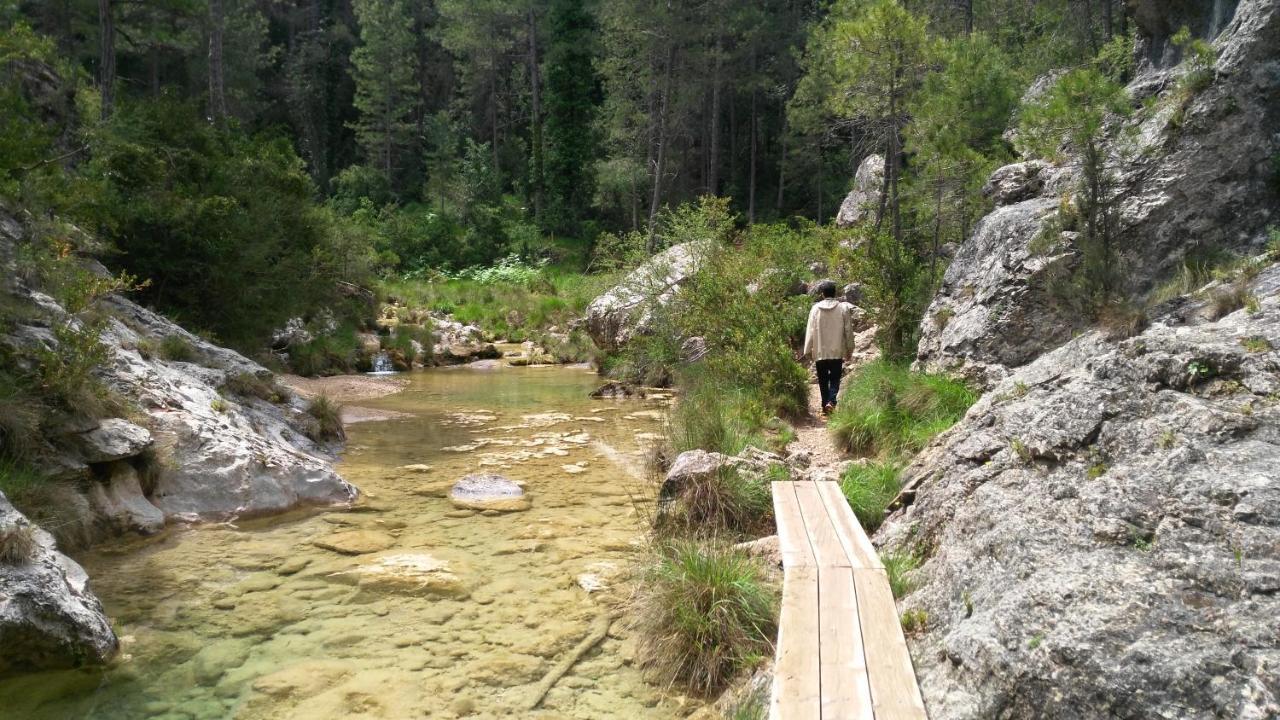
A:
(707, 611)
(888, 411)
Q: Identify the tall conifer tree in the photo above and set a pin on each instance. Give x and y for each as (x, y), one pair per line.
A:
(570, 105)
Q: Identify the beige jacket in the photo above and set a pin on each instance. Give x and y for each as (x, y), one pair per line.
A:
(829, 334)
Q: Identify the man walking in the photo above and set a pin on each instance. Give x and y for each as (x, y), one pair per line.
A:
(827, 339)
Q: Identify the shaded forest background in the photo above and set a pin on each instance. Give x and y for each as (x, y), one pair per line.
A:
(242, 154)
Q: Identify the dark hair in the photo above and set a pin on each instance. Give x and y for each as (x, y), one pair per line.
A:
(827, 289)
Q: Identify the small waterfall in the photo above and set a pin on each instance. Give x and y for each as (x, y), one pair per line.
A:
(382, 364)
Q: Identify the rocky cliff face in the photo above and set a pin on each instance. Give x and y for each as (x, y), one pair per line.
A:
(1102, 531)
(1198, 179)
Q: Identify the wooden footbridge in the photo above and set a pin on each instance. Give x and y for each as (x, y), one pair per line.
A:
(841, 652)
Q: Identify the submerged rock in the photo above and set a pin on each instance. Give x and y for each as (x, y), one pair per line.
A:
(49, 619)
(488, 492)
(416, 574)
(355, 542)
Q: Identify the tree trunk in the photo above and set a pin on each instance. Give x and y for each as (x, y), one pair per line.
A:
(659, 165)
(782, 162)
(107, 58)
(968, 17)
(217, 94)
(819, 182)
(1106, 18)
(535, 82)
(493, 115)
(713, 182)
(755, 122)
(153, 69)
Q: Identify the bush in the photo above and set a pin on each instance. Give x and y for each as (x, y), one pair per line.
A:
(247, 384)
(327, 415)
(869, 490)
(726, 504)
(176, 348)
(705, 612)
(887, 410)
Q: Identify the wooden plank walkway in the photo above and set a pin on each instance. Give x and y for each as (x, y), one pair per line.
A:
(841, 653)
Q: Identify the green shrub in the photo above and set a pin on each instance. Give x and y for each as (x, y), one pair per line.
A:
(887, 410)
(704, 613)
(869, 489)
(177, 348)
(713, 414)
(327, 415)
(727, 504)
(247, 384)
(47, 503)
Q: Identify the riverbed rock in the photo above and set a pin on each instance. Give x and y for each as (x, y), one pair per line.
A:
(49, 619)
(415, 574)
(488, 492)
(629, 308)
(120, 503)
(1102, 529)
(355, 542)
(1195, 180)
(863, 200)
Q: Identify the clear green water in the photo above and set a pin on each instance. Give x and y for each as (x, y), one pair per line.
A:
(256, 621)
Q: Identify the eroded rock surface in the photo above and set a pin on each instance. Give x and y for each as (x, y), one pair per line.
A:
(488, 492)
(48, 617)
(628, 308)
(863, 201)
(1102, 530)
(1191, 180)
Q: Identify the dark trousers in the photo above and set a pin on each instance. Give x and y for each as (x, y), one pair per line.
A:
(829, 372)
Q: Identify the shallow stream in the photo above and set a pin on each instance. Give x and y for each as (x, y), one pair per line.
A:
(445, 613)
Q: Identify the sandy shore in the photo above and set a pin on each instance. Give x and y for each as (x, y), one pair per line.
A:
(345, 388)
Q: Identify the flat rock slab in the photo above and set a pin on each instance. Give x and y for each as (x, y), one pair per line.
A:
(113, 439)
(414, 574)
(488, 492)
(356, 542)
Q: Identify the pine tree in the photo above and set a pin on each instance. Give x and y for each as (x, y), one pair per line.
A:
(386, 90)
(571, 150)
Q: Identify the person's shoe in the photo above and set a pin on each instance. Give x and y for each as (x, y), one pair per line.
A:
(828, 408)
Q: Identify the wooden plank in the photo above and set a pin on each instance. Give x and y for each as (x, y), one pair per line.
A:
(827, 548)
(846, 693)
(862, 554)
(796, 679)
(793, 542)
(895, 695)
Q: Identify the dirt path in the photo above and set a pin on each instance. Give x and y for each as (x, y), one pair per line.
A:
(812, 436)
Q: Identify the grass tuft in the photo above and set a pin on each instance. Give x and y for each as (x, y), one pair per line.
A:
(728, 502)
(705, 612)
(889, 411)
(327, 415)
(176, 348)
(869, 489)
(898, 566)
(247, 384)
(17, 542)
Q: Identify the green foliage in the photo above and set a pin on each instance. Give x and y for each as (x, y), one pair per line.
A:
(897, 288)
(914, 621)
(1115, 59)
(17, 542)
(247, 384)
(1071, 114)
(570, 107)
(327, 416)
(1256, 344)
(176, 348)
(898, 566)
(386, 91)
(1198, 58)
(705, 612)
(889, 411)
(727, 504)
(222, 225)
(869, 489)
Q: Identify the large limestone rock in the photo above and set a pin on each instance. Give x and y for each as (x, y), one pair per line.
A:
(1201, 181)
(863, 200)
(1102, 530)
(120, 503)
(628, 309)
(226, 456)
(112, 439)
(48, 617)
